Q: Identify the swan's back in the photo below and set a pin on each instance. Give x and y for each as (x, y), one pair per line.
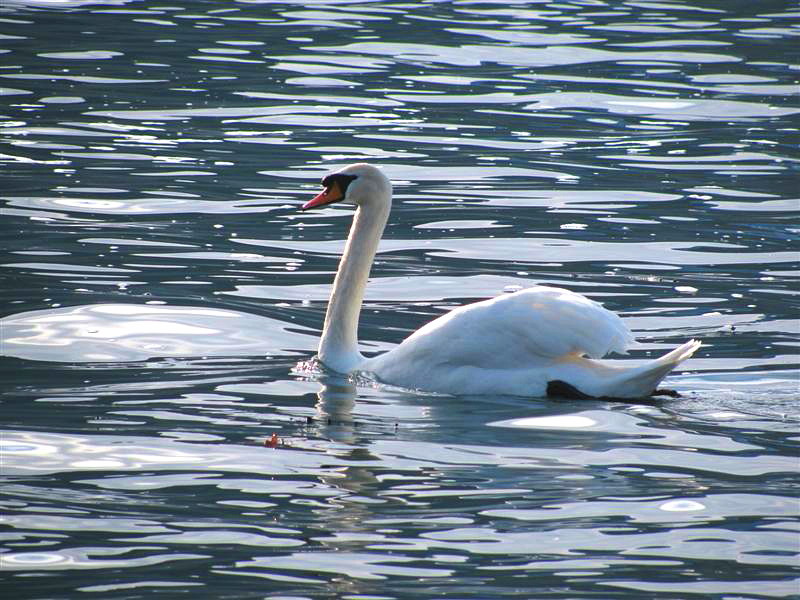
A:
(524, 330)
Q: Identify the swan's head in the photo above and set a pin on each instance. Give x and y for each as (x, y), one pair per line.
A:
(357, 184)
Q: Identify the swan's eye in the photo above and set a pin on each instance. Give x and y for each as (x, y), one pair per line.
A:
(340, 179)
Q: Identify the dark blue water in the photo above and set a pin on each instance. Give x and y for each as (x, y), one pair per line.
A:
(160, 285)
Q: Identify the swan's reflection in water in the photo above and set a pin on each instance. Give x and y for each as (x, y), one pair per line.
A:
(336, 400)
(345, 523)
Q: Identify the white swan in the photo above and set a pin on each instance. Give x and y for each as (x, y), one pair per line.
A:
(532, 342)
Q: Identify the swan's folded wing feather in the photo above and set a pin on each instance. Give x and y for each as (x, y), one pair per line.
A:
(516, 330)
(555, 322)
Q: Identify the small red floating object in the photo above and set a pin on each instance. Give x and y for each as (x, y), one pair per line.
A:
(272, 442)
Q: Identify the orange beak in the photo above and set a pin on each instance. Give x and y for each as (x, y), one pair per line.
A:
(330, 194)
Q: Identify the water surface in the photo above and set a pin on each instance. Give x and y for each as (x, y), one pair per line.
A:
(160, 286)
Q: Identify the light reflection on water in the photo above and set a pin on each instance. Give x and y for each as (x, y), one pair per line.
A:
(160, 287)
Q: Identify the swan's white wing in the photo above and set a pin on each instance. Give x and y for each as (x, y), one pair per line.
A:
(555, 321)
(519, 330)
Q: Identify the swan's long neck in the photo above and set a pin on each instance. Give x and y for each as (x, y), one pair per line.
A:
(338, 348)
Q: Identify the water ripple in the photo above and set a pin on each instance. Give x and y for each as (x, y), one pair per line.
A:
(161, 285)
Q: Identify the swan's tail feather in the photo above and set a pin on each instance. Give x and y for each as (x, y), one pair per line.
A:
(643, 381)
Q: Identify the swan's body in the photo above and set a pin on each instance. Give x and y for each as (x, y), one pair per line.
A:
(515, 344)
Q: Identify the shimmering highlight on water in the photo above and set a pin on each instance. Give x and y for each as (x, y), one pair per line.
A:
(160, 288)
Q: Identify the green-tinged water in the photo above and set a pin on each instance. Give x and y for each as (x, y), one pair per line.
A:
(160, 285)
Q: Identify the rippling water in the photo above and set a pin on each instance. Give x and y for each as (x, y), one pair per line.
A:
(160, 286)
